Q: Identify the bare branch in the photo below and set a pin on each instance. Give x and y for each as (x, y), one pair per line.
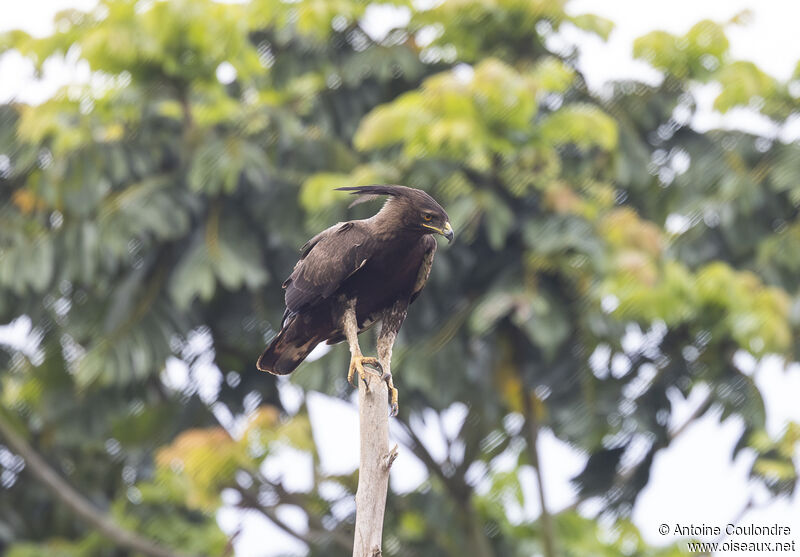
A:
(701, 409)
(390, 458)
(70, 497)
(316, 530)
(627, 474)
(459, 490)
(373, 472)
(532, 438)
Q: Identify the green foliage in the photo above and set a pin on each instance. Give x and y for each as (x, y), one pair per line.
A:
(742, 83)
(508, 29)
(219, 254)
(455, 117)
(585, 126)
(727, 304)
(206, 460)
(595, 24)
(552, 75)
(695, 55)
(149, 216)
(774, 463)
(59, 548)
(702, 54)
(581, 538)
(184, 40)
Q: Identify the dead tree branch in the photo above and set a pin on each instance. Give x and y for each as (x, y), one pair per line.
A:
(373, 474)
(532, 439)
(70, 497)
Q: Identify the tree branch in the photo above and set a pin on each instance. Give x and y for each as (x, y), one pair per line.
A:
(249, 501)
(623, 477)
(459, 490)
(76, 502)
(316, 529)
(373, 472)
(532, 438)
(701, 409)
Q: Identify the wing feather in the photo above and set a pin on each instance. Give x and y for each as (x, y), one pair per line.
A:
(326, 261)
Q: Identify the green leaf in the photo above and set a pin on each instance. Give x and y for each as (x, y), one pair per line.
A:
(583, 125)
(543, 322)
(553, 75)
(743, 83)
(595, 24)
(489, 311)
(193, 277)
(498, 219)
(223, 254)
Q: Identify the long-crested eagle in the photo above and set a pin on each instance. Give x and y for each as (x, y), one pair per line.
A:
(355, 274)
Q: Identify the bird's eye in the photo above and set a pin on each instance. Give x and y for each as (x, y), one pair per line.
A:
(427, 217)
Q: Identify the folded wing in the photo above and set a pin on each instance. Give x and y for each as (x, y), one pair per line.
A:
(326, 261)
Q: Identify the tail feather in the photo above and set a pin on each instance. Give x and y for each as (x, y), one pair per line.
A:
(286, 351)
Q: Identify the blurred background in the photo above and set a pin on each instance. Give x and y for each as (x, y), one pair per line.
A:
(609, 345)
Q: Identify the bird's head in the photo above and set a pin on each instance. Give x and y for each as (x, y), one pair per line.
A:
(415, 209)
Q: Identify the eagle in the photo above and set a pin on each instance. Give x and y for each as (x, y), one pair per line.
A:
(356, 274)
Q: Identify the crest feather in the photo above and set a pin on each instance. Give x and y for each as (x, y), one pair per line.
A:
(369, 193)
(363, 198)
(376, 189)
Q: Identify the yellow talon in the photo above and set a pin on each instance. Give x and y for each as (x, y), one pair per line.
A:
(357, 364)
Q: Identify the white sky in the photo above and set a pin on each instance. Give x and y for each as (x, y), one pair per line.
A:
(694, 481)
(769, 40)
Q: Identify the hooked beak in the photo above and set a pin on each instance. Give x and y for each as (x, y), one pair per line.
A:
(446, 231)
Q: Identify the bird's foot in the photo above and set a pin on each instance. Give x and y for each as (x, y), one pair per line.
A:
(393, 406)
(358, 364)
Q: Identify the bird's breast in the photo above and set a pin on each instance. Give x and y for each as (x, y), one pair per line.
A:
(387, 277)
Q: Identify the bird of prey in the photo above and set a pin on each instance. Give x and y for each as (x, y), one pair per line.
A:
(356, 274)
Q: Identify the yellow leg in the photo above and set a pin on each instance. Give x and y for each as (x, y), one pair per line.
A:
(393, 406)
(357, 360)
(385, 344)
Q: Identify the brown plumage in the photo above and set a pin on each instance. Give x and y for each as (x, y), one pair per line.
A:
(375, 266)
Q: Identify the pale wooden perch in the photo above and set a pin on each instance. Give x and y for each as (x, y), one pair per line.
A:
(375, 461)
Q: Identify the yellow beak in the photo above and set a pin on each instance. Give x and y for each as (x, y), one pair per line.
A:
(447, 231)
